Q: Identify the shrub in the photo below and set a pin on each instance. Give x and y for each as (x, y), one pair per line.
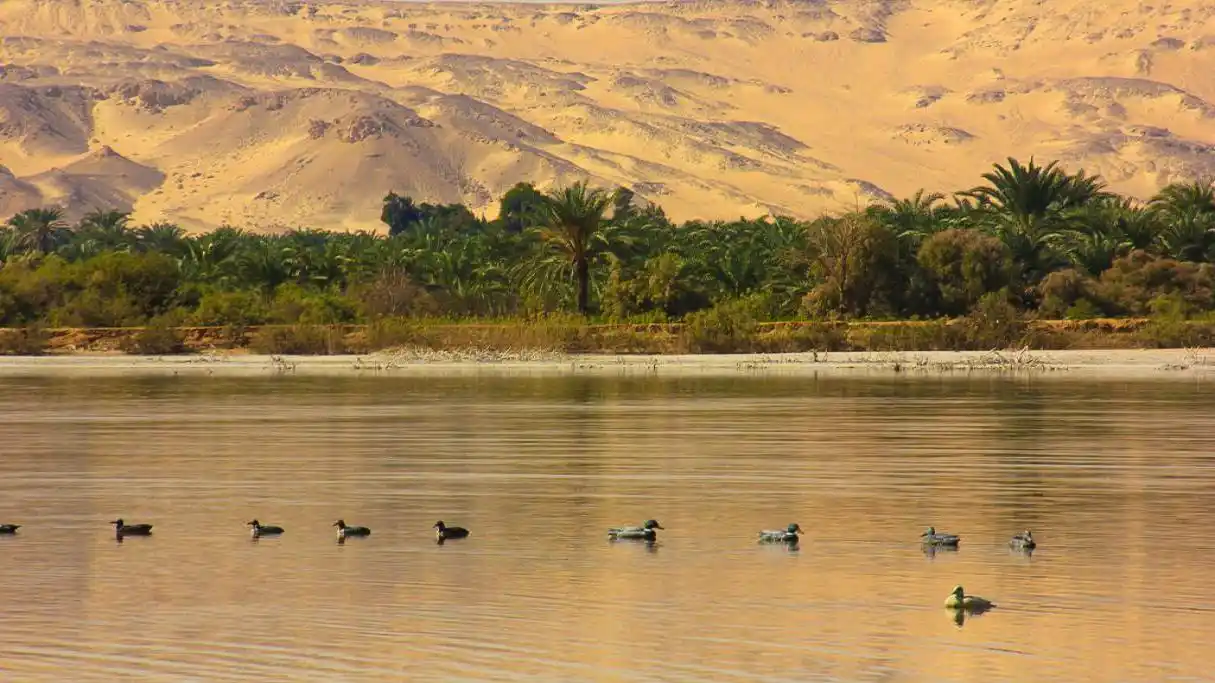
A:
(728, 327)
(31, 340)
(96, 308)
(1062, 289)
(393, 294)
(1136, 280)
(158, 338)
(1083, 309)
(293, 304)
(312, 340)
(386, 333)
(994, 322)
(231, 309)
(965, 265)
(824, 336)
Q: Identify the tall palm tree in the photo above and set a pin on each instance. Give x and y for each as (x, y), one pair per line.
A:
(1027, 207)
(570, 219)
(40, 230)
(1026, 195)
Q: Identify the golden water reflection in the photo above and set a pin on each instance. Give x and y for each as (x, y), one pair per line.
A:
(1116, 480)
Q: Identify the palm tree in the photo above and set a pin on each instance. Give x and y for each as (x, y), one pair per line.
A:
(1190, 237)
(570, 220)
(1027, 207)
(106, 230)
(1029, 195)
(913, 218)
(40, 230)
(1181, 199)
(164, 237)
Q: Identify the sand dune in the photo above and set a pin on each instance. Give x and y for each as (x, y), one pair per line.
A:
(274, 113)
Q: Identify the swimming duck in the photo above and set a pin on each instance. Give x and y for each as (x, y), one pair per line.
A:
(788, 535)
(344, 531)
(1023, 541)
(9, 528)
(931, 537)
(958, 599)
(444, 532)
(644, 532)
(124, 529)
(258, 529)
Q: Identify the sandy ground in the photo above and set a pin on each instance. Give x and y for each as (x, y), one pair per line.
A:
(1114, 364)
(272, 114)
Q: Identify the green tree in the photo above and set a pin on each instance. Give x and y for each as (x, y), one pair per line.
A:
(40, 230)
(964, 265)
(570, 220)
(519, 208)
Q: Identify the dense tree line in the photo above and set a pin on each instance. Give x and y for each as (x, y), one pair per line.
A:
(1046, 241)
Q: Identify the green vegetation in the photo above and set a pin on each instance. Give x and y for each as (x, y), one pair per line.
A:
(975, 270)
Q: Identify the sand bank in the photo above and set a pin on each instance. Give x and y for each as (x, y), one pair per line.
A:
(1122, 363)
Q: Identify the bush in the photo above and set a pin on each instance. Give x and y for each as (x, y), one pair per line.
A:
(293, 304)
(309, 340)
(994, 322)
(728, 327)
(386, 333)
(965, 265)
(1083, 309)
(31, 340)
(1138, 279)
(237, 310)
(816, 336)
(159, 337)
(393, 294)
(1062, 290)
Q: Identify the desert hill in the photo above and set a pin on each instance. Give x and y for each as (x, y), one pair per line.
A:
(273, 113)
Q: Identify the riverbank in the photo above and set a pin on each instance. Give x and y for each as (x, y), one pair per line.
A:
(1112, 364)
(574, 336)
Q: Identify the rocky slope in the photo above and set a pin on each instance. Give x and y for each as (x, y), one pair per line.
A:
(270, 114)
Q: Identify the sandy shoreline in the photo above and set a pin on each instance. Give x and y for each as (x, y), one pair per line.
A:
(1120, 363)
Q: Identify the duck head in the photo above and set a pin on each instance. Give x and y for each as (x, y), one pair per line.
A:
(652, 524)
(1029, 535)
(255, 524)
(958, 592)
(794, 529)
(932, 531)
(341, 524)
(439, 526)
(118, 523)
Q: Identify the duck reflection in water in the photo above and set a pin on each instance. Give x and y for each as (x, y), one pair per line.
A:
(930, 551)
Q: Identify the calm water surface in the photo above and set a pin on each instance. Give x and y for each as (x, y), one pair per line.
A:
(1117, 481)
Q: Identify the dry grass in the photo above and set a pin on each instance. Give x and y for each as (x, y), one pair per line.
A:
(427, 341)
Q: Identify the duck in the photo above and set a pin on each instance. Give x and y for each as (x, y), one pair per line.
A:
(1023, 541)
(931, 537)
(258, 529)
(124, 529)
(444, 532)
(788, 535)
(958, 599)
(344, 531)
(644, 532)
(9, 528)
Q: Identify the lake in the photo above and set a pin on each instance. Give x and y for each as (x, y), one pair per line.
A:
(1115, 478)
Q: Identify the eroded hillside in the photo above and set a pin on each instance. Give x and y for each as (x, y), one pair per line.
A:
(269, 114)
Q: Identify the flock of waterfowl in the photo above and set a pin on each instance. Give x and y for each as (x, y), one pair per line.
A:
(647, 531)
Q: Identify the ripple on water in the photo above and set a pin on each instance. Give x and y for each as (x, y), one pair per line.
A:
(1115, 481)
